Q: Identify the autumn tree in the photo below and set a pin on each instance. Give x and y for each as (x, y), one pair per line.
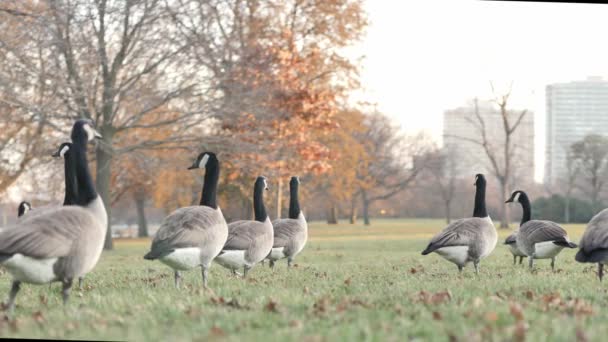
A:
(591, 155)
(395, 160)
(572, 172)
(442, 165)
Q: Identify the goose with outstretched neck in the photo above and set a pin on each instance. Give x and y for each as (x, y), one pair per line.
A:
(538, 239)
(249, 241)
(63, 243)
(193, 236)
(469, 239)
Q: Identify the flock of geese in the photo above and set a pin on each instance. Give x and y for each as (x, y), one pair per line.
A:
(64, 243)
(472, 239)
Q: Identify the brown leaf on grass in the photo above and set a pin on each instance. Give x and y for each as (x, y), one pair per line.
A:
(553, 298)
(491, 316)
(413, 270)
(347, 281)
(529, 294)
(192, 312)
(516, 311)
(295, 324)
(271, 306)
(437, 316)
(320, 306)
(216, 331)
(519, 333)
(580, 335)
(43, 300)
(38, 317)
(434, 298)
(306, 290)
(233, 303)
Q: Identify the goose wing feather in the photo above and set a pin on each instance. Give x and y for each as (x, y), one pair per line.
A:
(242, 234)
(463, 232)
(536, 231)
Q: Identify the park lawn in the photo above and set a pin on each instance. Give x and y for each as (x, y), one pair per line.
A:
(351, 283)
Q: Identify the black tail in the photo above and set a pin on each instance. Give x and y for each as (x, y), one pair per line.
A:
(150, 256)
(598, 255)
(565, 243)
(429, 249)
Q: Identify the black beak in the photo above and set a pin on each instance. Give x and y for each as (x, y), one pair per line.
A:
(55, 155)
(510, 200)
(192, 167)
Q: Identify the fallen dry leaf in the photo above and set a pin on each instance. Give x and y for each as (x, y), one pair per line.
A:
(516, 311)
(491, 316)
(271, 306)
(437, 316)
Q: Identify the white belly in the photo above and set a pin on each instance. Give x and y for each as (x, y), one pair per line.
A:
(546, 250)
(30, 270)
(456, 254)
(183, 258)
(277, 253)
(232, 259)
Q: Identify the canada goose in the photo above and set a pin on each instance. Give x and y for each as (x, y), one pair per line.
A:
(538, 239)
(290, 234)
(249, 242)
(23, 208)
(470, 239)
(63, 243)
(512, 243)
(594, 243)
(193, 236)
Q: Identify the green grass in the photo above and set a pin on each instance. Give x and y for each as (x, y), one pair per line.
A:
(350, 283)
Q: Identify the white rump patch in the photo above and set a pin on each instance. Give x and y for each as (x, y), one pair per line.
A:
(183, 258)
(456, 254)
(203, 161)
(31, 270)
(546, 250)
(232, 259)
(277, 253)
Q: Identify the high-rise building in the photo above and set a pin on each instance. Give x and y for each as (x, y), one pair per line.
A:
(462, 135)
(574, 109)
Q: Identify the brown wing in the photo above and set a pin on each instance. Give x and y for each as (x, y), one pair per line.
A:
(48, 235)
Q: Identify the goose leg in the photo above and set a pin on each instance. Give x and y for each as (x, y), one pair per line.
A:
(80, 280)
(476, 264)
(245, 270)
(553, 264)
(521, 260)
(15, 287)
(514, 259)
(459, 268)
(205, 274)
(531, 262)
(65, 290)
(600, 271)
(178, 278)
(289, 260)
(271, 263)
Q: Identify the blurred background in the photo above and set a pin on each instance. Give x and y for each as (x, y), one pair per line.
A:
(383, 108)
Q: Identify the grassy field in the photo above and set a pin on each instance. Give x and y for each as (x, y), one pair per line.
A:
(350, 283)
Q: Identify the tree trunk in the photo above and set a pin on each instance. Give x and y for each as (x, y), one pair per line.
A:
(279, 197)
(504, 224)
(448, 214)
(142, 223)
(102, 183)
(567, 209)
(353, 211)
(332, 217)
(366, 203)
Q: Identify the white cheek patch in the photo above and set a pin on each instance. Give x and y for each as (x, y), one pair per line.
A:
(90, 132)
(265, 184)
(64, 150)
(203, 161)
(516, 198)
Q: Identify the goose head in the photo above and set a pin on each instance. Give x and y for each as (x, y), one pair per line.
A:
(84, 130)
(515, 196)
(23, 208)
(295, 180)
(62, 150)
(261, 183)
(480, 180)
(202, 160)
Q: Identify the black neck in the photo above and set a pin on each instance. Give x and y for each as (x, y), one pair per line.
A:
(212, 175)
(84, 181)
(258, 202)
(294, 204)
(71, 182)
(480, 201)
(525, 205)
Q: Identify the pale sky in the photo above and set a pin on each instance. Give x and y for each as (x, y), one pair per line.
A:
(422, 57)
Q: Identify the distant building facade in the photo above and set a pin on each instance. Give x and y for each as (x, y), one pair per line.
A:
(574, 109)
(460, 128)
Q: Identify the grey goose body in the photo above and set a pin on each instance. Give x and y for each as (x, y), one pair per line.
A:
(62, 243)
(539, 239)
(511, 241)
(249, 241)
(469, 239)
(290, 234)
(593, 246)
(193, 236)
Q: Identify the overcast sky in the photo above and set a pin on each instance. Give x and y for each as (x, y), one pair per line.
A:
(422, 57)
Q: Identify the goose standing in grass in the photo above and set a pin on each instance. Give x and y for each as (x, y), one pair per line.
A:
(249, 242)
(511, 241)
(538, 239)
(23, 208)
(290, 234)
(469, 239)
(594, 243)
(63, 243)
(193, 236)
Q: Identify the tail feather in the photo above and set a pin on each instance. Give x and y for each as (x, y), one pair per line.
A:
(155, 254)
(429, 249)
(598, 255)
(565, 243)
